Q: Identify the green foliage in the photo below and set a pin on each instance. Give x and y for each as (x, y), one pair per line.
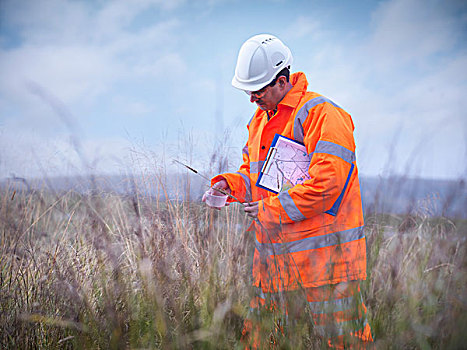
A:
(104, 271)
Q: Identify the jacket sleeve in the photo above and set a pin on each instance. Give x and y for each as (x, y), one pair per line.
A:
(328, 134)
(239, 182)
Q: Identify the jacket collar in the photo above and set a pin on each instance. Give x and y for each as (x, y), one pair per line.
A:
(300, 85)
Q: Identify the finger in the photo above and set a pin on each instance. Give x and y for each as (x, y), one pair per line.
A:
(219, 185)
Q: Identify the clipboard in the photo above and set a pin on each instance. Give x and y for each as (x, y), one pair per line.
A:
(271, 176)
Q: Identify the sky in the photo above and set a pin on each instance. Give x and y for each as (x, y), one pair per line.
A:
(108, 86)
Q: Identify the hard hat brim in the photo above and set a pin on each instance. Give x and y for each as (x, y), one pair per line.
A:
(249, 86)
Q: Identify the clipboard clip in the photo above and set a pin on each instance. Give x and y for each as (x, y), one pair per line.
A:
(267, 163)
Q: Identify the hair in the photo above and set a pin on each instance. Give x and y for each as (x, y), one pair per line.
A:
(284, 72)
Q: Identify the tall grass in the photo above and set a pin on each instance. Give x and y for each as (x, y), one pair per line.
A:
(107, 271)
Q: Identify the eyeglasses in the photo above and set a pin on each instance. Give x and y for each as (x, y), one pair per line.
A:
(260, 93)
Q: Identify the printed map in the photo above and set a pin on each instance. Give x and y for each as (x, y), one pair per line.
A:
(286, 165)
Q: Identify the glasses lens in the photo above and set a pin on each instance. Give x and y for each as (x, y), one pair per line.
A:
(256, 94)
(260, 93)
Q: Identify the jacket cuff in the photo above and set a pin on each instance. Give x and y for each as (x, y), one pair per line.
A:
(233, 182)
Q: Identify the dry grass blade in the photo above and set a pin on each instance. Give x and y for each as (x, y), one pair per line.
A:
(113, 271)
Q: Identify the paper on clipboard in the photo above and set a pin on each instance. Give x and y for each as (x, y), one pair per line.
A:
(286, 165)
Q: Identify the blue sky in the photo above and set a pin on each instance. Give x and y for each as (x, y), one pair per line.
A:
(127, 84)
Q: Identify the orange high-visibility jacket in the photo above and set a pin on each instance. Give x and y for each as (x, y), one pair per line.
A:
(312, 234)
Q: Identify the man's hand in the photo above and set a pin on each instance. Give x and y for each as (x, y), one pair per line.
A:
(222, 185)
(251, 209)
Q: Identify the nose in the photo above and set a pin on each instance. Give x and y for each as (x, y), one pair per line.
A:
(253, 98)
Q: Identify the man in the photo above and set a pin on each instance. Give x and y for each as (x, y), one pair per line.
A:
(309, 238)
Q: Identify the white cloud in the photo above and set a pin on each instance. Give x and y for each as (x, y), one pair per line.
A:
(111, 62)
(43, 22)
(412, 29)
(77, 52)
(304, 27)
(71, 72)
(75, 69)
(27, 153)
(155, 37)
(162, 65)
(133, 107)
(407, 77)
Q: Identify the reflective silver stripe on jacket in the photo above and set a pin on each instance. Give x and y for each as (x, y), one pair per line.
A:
(321, 307)
(336, 150)
(325, 147)
(247, 183)
(309, 243)
(289, 206)
(302, 114)
(245, 150)
(333, 305)
(255, 167)
(251, 119)
(343, 327)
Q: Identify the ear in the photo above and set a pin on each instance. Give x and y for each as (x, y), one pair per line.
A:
(282, 81)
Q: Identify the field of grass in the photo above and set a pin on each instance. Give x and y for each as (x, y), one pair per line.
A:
(106, 271)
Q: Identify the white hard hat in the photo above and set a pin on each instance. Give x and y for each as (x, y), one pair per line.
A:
(260, 59)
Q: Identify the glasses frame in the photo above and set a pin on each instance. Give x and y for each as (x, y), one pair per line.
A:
(261, 92)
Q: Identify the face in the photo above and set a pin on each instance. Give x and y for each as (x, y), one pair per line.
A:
(268, 97)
